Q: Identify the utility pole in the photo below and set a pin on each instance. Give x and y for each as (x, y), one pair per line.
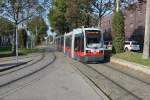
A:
(17, 16)
(146, 50)
(117, 4)
(17, 43)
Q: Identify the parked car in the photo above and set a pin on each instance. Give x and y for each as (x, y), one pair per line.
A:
(131, 46)
(108, 45)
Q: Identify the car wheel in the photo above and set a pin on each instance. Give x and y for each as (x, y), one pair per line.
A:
(126, 49)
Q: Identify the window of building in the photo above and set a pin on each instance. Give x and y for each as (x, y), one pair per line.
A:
(131, 15)
(139, 23)
(131, 25)
(140, 12)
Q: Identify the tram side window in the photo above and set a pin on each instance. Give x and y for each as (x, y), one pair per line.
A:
(79, 43)
(62, 41)
(82, 44)
(59, 41)
(68, 42)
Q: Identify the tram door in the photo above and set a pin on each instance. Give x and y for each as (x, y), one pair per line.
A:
(78, 46)
(68, 45)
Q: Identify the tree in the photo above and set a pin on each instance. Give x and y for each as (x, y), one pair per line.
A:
(38, 28)
(22, 38)
(66, 15)
(57, 16)
(102, 8)
(1, 1)
(118, 29)
(17, 11)
(146, 51)
(79, 13)
(73, 13)
(6, 27)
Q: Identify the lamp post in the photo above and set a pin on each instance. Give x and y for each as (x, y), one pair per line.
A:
(17, 15)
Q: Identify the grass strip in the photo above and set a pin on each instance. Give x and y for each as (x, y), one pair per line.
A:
(133, 57)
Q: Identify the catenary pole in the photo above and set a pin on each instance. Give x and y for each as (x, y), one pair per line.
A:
(146, 49)
(117, 4)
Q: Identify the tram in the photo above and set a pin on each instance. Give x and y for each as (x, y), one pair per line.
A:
(59, 43)
(82, 44)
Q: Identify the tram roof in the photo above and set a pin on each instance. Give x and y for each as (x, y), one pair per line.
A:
(91, 28)
(79, 30)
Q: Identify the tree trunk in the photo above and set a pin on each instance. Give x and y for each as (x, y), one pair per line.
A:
(100, 22)
(88, 21)
(147, 33)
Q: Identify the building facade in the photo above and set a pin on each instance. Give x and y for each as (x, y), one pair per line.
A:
(5, 40)
(134, 24)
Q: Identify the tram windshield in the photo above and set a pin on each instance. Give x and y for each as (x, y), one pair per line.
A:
(93, 39)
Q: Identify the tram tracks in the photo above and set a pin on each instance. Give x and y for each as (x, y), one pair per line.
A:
(12, 59)
(114, 83)
(115, 69)
(28, 70)
(5, 72)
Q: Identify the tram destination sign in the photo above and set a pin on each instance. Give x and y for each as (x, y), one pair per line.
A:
(93, 32)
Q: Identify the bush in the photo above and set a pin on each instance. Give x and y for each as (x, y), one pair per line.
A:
(118, 30)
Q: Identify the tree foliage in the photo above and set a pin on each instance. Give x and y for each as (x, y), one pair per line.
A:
(68, 14)
(18, 11)
(6, 27)
(118, 30)
(38, 28)
(57, 16)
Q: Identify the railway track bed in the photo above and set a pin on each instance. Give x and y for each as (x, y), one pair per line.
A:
(9, 78)
(116, 85)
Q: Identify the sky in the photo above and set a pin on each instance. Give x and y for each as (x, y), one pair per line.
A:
(45, 16)
(47, 23)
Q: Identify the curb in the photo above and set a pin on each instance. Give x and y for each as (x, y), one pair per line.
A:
(131, 65)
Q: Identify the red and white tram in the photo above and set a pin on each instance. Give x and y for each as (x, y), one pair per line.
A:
(84, 44)
(59, 43)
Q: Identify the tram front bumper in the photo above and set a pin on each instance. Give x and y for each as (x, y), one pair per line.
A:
(92, 59)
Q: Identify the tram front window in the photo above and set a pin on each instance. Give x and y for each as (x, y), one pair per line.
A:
(93, 39)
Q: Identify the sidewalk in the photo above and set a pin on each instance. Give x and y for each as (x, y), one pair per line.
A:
(61, 83)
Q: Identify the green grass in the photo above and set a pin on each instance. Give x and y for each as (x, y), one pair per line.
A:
(4, 49)
(26, 51)
(6, 52)
(133, 57)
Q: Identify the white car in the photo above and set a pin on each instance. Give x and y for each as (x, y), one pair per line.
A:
(131, 46)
